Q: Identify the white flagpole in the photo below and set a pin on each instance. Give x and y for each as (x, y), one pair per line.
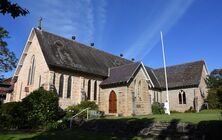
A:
(166, 105)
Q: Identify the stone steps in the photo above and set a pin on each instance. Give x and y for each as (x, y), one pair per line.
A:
(163, 129)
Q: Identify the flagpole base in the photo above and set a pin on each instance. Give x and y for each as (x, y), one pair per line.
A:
(167, 108)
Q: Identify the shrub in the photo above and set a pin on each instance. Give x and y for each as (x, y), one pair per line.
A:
(190, 110)
(157, 108)
(214, 98)
(12, 115)
(174, 111)
(72, 110)
(61, 124)
(36, 110)
(42, 107)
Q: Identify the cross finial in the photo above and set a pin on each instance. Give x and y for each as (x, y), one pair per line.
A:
(40, 23)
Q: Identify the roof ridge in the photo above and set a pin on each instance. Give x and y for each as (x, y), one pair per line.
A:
(155, 76)
(124, 65)
(81, 44)
(186, 63)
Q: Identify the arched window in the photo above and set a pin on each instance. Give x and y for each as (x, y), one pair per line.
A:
(95, 90)
(180, 98)
(134, 86)
(20, 92)
(40, 81)
(83, 84)
(31, 71)
(54, 78)
(139, 88)
(61, 80)
(89, 90)
(184, 97)
(69, 87)
(28, 83)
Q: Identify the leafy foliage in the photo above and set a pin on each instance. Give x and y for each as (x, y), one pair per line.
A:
(38, 109)
(214, 97)
(7, 58)
(190, 110)
(157, 108)
(72, 110)
(42, 107)
(12, 8)
(12, 115)
(213, 82)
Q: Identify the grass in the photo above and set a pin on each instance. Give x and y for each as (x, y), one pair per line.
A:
(60, 134)
(194, 118)
(17, 136)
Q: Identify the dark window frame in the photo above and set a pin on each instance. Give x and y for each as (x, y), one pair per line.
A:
(61, 85)
(69, 87)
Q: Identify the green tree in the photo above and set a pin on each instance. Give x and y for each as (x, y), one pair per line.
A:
(7, 58)
(12, 8)
(42, 106)
(214, 97)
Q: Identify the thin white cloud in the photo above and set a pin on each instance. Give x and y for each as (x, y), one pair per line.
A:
(68, 18)
(167, 18)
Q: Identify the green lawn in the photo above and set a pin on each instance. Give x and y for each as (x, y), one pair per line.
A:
(67, 134)
(17, 136)
(194, 118)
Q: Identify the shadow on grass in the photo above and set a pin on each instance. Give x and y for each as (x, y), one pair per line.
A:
(171, 131)
(209, 130)
(128, 128)
(125, 128)
(204, 130)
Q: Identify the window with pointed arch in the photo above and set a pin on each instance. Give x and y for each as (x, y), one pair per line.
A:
(54, 78)
(31, 73)
(69, 87)
(134, 86)
(95, 90)
(139, 88)
(182, 97)
(89, 90)
(61, 81)
(39, 81)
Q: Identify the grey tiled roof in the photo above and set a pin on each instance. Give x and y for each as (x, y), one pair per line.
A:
(68, 54)
(183, 75)
(121, 74)
(153, 77)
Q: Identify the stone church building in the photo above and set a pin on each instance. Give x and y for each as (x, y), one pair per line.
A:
(119, 86)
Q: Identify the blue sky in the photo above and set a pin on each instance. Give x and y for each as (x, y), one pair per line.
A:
(192, 29)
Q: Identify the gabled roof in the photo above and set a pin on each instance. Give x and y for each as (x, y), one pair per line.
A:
(124, 74)
(153, 77)
(69, 54)
(183, 75)
(121, 74)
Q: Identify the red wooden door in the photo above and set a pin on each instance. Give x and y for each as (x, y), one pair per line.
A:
(112, 102)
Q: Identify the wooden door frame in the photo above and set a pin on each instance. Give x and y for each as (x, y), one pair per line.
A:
(115, 102)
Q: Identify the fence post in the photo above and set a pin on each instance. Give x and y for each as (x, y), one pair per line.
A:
(87, 117)
(70, 125)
